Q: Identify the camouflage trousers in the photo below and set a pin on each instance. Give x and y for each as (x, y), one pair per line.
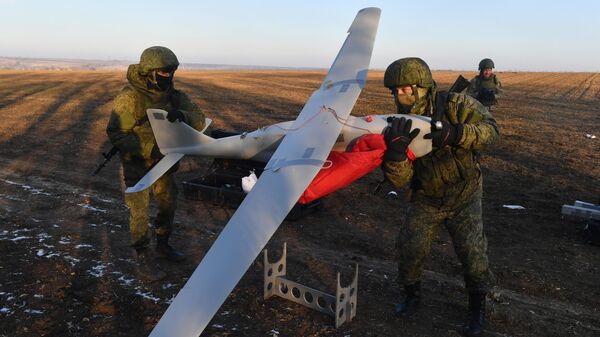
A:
(165, 195)
(465, 226)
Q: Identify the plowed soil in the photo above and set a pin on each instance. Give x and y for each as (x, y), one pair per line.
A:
(66, 268)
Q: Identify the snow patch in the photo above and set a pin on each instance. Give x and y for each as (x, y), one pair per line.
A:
(34, 191)
(97, 271)
(147, 295)
(33, 311)
(43, 236)
(72, 261)
(92, 208)
(10, 182)
(127, 282)
(19, 238)
(513, 206)
(168, 285)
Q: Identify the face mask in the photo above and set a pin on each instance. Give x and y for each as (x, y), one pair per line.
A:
(163, 83)
(404, 103)
(159, 83)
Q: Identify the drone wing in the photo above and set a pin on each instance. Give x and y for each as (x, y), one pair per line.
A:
(291, 169)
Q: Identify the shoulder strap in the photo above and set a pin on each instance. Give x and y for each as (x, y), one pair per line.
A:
(440, 105)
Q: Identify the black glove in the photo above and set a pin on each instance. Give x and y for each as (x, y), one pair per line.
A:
(175, 115)
(397, 137)
(448, 135)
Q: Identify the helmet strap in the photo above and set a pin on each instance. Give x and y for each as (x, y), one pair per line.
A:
(151, 80)
(157, 82)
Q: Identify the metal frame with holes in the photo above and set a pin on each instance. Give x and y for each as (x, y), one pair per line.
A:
(342, 306)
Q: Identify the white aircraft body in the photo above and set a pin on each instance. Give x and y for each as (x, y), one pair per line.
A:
(178, 139)
(295, 152)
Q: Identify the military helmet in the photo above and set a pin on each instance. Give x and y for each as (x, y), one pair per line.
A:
(486, 64)
(408, 71)
(157, 58)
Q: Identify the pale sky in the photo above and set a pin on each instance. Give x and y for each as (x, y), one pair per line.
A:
(524, 35)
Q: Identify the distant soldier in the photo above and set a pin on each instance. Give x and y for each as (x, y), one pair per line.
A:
(486, 87)
(446, 184)
(150, 86)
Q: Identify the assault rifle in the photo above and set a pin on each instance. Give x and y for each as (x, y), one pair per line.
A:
(107, 157)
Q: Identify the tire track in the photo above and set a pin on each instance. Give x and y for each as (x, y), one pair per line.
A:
(580, 91)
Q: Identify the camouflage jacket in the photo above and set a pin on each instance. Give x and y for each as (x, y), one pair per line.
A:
(129, 129)
(449, 175)
(481, 88)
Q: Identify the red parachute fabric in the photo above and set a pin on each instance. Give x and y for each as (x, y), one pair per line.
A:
(346, 167)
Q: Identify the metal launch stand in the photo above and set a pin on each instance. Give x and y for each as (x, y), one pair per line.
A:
(342, 306)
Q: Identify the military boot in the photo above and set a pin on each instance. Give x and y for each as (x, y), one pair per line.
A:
(146, 267)
(411, 300)
(165, 250)
(477, 314)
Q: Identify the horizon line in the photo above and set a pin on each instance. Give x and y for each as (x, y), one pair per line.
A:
(122, 63)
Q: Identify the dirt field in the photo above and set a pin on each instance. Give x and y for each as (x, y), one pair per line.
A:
(66, 268)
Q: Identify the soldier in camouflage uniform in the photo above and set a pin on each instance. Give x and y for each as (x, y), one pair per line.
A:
(486, 87)
(150, 86)
(446, 184)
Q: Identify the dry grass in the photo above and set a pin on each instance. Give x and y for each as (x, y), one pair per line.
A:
(52, 131)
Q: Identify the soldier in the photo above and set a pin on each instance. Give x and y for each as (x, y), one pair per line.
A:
(150, 86)
(446, 184)
(486, 87)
